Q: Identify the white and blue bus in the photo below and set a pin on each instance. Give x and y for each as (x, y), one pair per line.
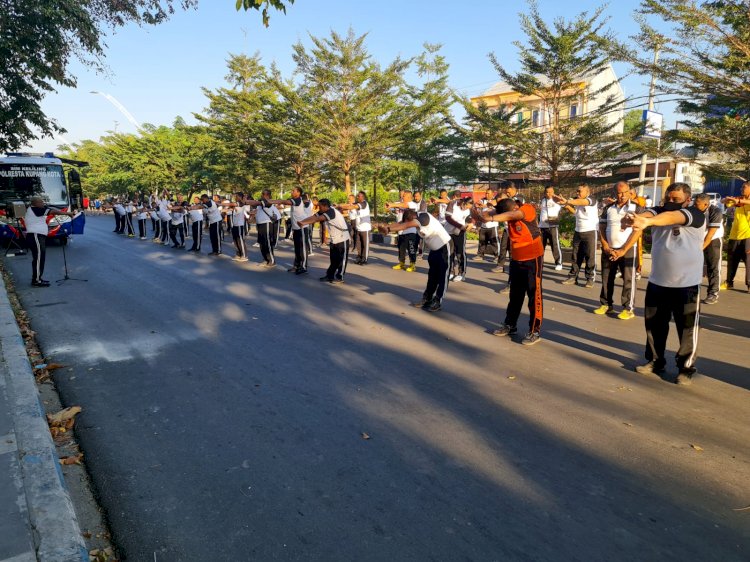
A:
(23, 176)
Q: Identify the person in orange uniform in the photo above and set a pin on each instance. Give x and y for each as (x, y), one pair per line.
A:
(527, 260)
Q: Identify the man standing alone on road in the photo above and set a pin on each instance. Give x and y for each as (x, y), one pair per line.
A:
(673, 291)
(37, 229)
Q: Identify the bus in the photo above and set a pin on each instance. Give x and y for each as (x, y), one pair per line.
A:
(23, 176)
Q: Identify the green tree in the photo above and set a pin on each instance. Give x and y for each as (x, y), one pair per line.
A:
(358, 112)
(234, 117)
(38, 40)
(705, 66)
(633, 124)
(558, 62)
(262, 6)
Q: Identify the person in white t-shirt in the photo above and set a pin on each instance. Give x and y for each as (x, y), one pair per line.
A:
(457, 223)
(362, 226)
(438, 242)
(673, 291)
(35, 224)
(140, 207)
(619, 253)
(264, 223)
(408, 238)
(712, 245)
(238, 211)
(299, 212)
(585, 235)
(549, 222)
(214, 218)
(196, 211)
(339, 239)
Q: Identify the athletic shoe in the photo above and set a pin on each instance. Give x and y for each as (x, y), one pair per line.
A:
(214, 253)
(637, 275)
(451, 277)
(498, 269)
(649, 368)
(301, 272)
(558, 267)
(182, 245)
(325, 278)
(266, 264)
(618, 274)
(505, 330)
(412, 268)
(143, 238)
(362, 262)
(531, 338)
(421, 303)
(131, 235)
(684, 378)
(505, 290)
(40, 283)
(399, 266)
(175, 245)
(240, 259)
(336, 281)
(433, 306)
(458, 278)
(477, 258)
(256, 245)
(292, 269)
(626, 314)
(570, 281)
(603, 309)
(311, 254)
(725, 285)
(589, 283)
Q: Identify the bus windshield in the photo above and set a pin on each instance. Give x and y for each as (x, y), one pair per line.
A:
(22, 181)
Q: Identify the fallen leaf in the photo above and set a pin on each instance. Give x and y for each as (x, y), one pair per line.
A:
(53, 366)
(86, 535)
(62, 417)
(512, 378)
(746, 508)
(696, 447)
(71, 460)
(365, 436)
(628, 424)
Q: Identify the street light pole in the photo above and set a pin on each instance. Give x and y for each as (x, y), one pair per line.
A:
(651, 93)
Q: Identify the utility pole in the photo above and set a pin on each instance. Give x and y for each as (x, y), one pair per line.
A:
(651, 93)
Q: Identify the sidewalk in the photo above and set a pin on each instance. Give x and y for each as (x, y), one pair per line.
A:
(37, 519)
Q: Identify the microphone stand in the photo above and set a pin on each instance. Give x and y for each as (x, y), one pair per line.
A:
(65, 259)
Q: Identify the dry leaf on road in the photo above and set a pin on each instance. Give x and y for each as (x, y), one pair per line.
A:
(696, 447)
(53, 366)
(364, 436)
(72, 460)
(63, 416)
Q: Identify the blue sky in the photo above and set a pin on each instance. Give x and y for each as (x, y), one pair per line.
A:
(157, 72)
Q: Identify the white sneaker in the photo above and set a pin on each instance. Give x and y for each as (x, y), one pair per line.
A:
(256, 245)
(458, 278)
(558, 267)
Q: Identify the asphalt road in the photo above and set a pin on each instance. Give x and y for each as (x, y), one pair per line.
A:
(225, 410)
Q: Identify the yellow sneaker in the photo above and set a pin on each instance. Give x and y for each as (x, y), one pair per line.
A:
(626, 314)
(399, 266)
(724, 286)
(603, 309)
(411, 268)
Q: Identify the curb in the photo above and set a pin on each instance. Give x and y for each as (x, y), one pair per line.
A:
(57, 536)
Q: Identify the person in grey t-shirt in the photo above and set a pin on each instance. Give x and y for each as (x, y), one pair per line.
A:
(673, 291)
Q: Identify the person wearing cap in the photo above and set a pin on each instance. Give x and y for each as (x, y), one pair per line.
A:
(37, 229)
